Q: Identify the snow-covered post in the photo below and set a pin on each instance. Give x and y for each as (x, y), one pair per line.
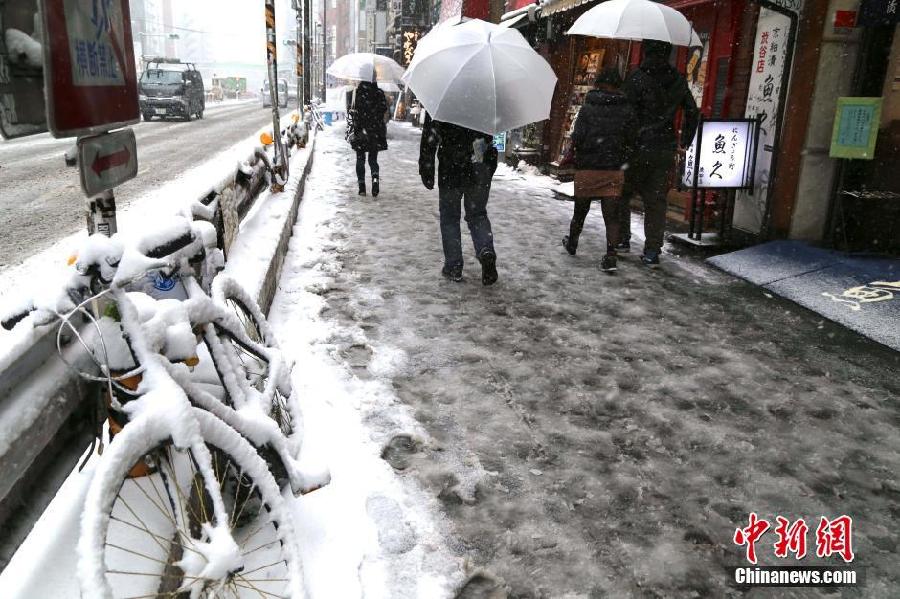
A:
(281, 159)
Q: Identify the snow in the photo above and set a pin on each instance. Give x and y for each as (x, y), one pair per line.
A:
(41, 274)
(370, 532)
(659, 406)
(23, 49)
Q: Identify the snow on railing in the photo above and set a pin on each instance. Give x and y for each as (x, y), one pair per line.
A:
(44, 413)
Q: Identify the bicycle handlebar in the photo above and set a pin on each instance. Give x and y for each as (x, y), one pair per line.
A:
(11, 320)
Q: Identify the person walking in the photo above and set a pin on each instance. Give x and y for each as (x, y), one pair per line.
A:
(367, 131)
(467, 161)
(603, 141)
(657, 91)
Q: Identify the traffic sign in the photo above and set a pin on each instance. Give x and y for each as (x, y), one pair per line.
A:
(107, 160)
(90, 73)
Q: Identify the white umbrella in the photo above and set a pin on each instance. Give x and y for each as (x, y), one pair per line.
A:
(636, 20)
(388, 86)
(362, 65)
(481, 76)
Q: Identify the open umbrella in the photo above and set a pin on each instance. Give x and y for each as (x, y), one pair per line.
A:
(362, 65)
(636, 20)
(481, 76)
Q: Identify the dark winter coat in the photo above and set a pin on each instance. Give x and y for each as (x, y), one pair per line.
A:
(366, 129)
(605, 131)
(657, 91)
(456, 152)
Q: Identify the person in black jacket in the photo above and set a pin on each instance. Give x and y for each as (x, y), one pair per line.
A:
(367, 131)
(603, 140)
(657, 91)
(467, 161)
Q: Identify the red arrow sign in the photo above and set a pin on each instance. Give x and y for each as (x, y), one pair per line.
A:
(104, 163)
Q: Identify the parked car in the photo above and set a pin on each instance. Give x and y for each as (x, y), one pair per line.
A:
(282, 93)
(171, 88)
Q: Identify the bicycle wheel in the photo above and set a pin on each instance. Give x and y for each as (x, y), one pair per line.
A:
(160, 536)
(256, 366)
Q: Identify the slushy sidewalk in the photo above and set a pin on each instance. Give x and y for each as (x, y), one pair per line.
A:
(576, 434)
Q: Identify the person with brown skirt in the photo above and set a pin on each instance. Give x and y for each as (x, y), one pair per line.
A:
(603, 142)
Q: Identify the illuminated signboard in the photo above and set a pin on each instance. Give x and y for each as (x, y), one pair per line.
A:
(722, 155)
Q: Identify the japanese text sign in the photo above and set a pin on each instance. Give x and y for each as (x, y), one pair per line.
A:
(855, 128)
(721, 155)
(90, 78)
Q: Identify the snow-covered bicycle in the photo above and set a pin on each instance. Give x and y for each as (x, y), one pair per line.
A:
(184, 503)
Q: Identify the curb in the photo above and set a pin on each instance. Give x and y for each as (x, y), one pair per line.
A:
(276, 262)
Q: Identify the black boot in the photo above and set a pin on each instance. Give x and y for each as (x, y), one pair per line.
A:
(374, 187)
(362, 187)
(570, 247)
(488, 261)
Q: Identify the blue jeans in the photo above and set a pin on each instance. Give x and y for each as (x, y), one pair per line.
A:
(474, 196)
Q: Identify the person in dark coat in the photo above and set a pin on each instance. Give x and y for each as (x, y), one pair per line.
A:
(467, 161)
(658, 92)
(367, 131)
(603, 140)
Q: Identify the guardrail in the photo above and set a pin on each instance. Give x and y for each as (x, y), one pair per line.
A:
(46, 418)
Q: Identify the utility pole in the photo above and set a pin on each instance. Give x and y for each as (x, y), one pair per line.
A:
(307, 71)
(324, 46)
(298, 43)
(281, 159)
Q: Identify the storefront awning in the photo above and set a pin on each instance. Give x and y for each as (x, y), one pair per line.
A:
(550, 7)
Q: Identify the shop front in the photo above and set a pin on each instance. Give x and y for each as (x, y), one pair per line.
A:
(866, 139)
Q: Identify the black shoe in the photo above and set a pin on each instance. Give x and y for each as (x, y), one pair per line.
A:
(624, 247)
(608, 263)
(650, 258)
(374, 187)
(488, 261)
(569, 248)
(362, 188)
(454, 273)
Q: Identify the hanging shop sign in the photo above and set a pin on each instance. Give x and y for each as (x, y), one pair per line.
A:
(21, 70)
(410, 41)
(722, 155)
(90, 74)
(769, 77)
(855, 128)
(500, 142)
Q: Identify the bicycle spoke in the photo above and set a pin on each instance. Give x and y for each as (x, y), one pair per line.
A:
(137, 553)
(263, 546)
(261, 592)
(281, 561)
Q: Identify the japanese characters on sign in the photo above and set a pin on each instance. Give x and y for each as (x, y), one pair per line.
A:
(767, 76)
(500, 142)
(855, 130)
(91, 79)
(725, 156)
(410, 40)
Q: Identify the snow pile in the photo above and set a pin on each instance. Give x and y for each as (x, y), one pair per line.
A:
(23, 49)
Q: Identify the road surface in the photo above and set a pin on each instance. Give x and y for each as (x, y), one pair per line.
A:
(41, 199)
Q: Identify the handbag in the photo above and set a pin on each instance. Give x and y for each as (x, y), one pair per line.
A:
(354, 132)
(599, 184)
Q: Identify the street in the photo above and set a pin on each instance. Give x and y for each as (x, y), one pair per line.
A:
(589, 435)
(40, 197)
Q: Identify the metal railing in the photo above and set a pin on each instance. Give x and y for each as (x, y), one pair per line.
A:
(48, 413)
